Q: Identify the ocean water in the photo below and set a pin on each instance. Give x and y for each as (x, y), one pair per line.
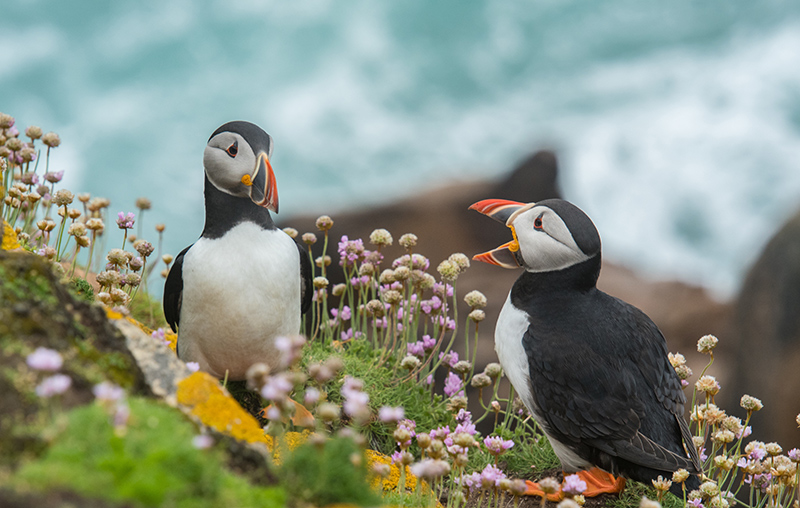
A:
(677, 123)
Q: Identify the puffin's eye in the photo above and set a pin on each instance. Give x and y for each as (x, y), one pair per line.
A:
(537, 223)
(233, 149)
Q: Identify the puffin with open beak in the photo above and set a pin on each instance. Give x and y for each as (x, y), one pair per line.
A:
(244, 282)
(591, 369)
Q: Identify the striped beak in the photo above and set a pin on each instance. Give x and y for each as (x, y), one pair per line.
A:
(263, 187)
(502, 210)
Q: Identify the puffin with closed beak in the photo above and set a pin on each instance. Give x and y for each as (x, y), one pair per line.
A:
(244, 282)
(591, 369)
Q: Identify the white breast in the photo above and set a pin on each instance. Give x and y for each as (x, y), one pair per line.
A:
(240, 292)
(511, 326)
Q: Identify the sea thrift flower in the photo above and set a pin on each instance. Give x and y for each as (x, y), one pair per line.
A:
(708, 385)
(707, 343)
(453, 385)
(276, 389)
(448, 270)
(475, 299)
(481, 381)
(108, 392)
(408, 240)
(355, 403)
(160, 335)
(573, 485)
(477, 315)
(350, 251)
(324, 223)
(380, 238)
(388, 414)
(53, 385)
(497, 446)
(62, 197)
(753, 404)
(193, 366)
(430, 468)
(44, 359)
(291, 232)
(202, 441)
(125, 221)
(309, 238)
(680, 476)
(51, 139)
(460, 260)
(491, 476)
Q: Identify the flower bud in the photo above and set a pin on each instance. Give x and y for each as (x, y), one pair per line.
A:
(324, 223)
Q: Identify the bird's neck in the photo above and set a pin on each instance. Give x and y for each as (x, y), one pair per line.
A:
(224, 211)
(581, 277)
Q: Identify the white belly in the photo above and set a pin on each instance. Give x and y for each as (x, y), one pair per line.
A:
(240, 292)
(511, 326)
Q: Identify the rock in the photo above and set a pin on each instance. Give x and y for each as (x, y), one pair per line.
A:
(767, 337)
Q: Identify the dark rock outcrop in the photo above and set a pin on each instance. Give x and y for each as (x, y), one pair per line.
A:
(767, 337)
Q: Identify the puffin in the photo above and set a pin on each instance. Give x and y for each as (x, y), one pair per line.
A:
(244, 282)
(591, 369)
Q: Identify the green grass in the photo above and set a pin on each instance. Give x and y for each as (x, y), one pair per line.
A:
(152, 464)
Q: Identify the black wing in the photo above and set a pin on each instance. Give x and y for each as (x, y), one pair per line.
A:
(601, 378)
(306, 285)
(173, 291)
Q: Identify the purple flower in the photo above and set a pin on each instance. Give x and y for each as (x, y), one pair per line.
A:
(121, 415)
(742, 463)
(44, 359)
(397, 457)
(388, 414)
(471, 481)
(416, 349)
(428, 343)
(429, 379)
(746, 431)
(702, 454)
(202, 441)
(450, 358)
(697, 503)
(759, 451)
(125, 221)
(496, 445)
(447, 322)
(573, 485)
(794, 455)
(350, 251)
(193, 366)
(355, 400)
(53, 385)
(453, 385)
(441, 433)
(360, 282)
(54, 176)
(350, 334)
(108, 392)
(276, 388)
(344, 316)
(443, 289)
(30, 178)
(491, 476)
(161, 336)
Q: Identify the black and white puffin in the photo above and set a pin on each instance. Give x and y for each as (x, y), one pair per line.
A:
(591, 369)
(244, 282)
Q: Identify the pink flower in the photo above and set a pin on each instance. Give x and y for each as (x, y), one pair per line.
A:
(276, 388)
(388, 414)
(107, 391)
(450, 358)
(125, 221)
(54, 176)
(53, 385)
(193, 366)
(44, 359)
(573, 485)
(161, 336)
(496, 445)
(453, 385)
(202, 441)
(491, 476)
(121, 415)
(350, 251)
(350, 334)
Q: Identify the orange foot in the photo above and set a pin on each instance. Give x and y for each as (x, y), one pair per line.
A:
(597, 482)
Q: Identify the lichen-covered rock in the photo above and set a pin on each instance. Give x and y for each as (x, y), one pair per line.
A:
(36, 310)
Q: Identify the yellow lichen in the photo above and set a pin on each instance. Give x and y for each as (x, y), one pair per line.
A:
(10, 241)
(169, 335)
(391, 481)
(207, 400)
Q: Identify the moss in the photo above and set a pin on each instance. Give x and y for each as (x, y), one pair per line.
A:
(82, 289)
(153, 463)
(329, 473)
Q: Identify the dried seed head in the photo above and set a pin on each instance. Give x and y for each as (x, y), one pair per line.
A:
(324, 223)
(143, 204)
(117, 257)
(338, 289)
(493, 370)
(680, 476)
(73, 213)
(376, 309)
(392, 297)
(62, 197)
(448, 270)
(309, 238)
(408, 240)
(380, 238)
(33, 132)
(477, 315)
(320, 282)
(774, 449)
(410, 362)
(456, 404)
(423, 439)
(387, 276)
(475, 299)
(167, 258)
(133, 279)
(291, 232)
(662, 484)
(462, 367)
(95, 225)
(84, 197)
(6, 121)
(752, 404)
(77, 229)
(144, 248)
(14, 144)
(320, 261)
(82, 241)
(51, 139)
(402, 273)
(328, 412)
(706, 344)
(481, 381)
(366, 269)
(108, 278)
(549, 485)
(708, 385)
(427, 281)
(460, 260)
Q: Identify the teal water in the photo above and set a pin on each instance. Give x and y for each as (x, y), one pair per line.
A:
(677, 123)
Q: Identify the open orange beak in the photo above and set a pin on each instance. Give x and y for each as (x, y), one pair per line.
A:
(263, 187)
(505, 211)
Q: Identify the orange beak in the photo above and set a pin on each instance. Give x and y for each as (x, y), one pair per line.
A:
(502, 210)
(263, 187)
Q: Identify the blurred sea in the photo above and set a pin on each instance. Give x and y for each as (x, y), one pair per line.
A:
(677, 123)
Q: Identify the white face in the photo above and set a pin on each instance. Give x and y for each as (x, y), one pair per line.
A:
(227, 159)
(546, 243)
